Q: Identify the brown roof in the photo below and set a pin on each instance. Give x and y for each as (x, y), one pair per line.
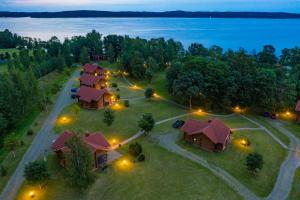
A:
(214, 129)
(91, 68)
(89, 80)
(89, 94)
(96, 141)
(298, 106)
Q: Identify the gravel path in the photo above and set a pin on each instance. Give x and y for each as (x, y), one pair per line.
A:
(41, 142)
(287, 170)
(168, 141)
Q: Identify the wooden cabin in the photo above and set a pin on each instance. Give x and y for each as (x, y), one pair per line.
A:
(211, 135)
(97, 82)
(92, 98)
(93, 70)
(95, 141)
(297, 109)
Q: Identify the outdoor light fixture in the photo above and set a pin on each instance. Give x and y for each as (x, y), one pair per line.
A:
(31, 194)
(199, 111)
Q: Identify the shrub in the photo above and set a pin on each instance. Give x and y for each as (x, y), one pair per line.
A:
(118, 89)
(146, 123)
(149, 93)
(135, 149)
(30, 132)
(22, 143)
(3, 171)
(126, 103)
(118, 96)
(114, 85)
(254, 162)
(141, 158)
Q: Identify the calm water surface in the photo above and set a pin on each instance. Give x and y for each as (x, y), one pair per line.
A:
(227, 33)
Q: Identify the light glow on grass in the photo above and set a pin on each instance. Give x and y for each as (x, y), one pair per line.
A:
(237, 109)
(64, 120)
(124, 164)
(135, 87)
(156, 95)
(242, 144)
(117, 106)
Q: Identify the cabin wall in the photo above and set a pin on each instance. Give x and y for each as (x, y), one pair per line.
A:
(200, 140)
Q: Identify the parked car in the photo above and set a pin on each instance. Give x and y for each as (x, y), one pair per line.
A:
(273, 116)
(178, 124)
(73, 96)
(266, 114)
(74, 90)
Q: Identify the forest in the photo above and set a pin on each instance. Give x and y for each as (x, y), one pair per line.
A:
(213, 78)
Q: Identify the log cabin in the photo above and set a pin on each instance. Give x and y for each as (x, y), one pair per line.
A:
(93, 70)
(97, 82)
(95, 141)
(211, 135)
(92, 98)
(297, 109)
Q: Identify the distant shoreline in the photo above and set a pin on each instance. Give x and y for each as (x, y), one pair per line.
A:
(168, 14)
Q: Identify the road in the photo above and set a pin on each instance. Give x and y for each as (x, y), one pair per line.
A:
(41, 142)
(288, 168)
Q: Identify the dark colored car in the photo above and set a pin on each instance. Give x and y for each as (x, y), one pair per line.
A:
(273, 116)
(73, 96)
(266, 114)
(74, 90)
(178, 124)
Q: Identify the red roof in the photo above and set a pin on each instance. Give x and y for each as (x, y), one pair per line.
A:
(96, 141)
(89, 94)
(214, 129)
(59, 143)
(298, 106)
(89, 80)
(91, 68)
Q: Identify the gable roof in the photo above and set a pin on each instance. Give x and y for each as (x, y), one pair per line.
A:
(298, 106)
(96, 141)
(91, 68)
(59, 143)
(89, 80)
(214, 129)
(89, 94)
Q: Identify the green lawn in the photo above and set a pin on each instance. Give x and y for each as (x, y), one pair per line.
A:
(163, 175)
(233, 159)
(10, 51)
(277, 133)
(33, 121)
(295, 192)
(293, 127)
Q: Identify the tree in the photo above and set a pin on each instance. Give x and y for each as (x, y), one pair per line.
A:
(111, 53)
(254, 162)
(79, 164)
(196, 49)
(267, 56)
(149, 92)
(84, 56)
(11, 143)
(188, 86)
(109, 116)
(149, 75)
(36, 172)
(137, 65)
(146, 123)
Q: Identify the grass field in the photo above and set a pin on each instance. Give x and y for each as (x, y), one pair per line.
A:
(295, 192)
(33, 121)
(233, 159)
(163, 175)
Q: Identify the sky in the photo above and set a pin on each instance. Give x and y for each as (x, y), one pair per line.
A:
(152, 5)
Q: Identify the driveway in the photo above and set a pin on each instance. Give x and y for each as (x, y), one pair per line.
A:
(41, 142)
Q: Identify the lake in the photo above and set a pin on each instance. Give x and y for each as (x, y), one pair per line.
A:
(228, 33)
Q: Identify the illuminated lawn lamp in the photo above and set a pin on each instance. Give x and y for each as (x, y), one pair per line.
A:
(245, 142)
(124, 163)
(156, 95)
(31, 194)
(135, 87)
(199, 111)
(237, 109)
(288, 113)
